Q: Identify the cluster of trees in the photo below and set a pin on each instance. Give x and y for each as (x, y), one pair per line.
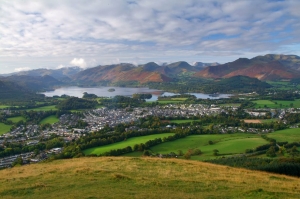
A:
(142, 96)
(287, 166)
(74, 103)
(120, 102)
(89, 96)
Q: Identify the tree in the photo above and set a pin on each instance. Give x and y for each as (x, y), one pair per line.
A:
(18, 161)
(187, 155)
(197, 152)
(210, 142)
(282, 150)
(147, 153)
(294, 151)
(180, 153)
(271, 152)
(216, 152)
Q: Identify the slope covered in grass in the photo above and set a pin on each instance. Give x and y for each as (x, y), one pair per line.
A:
(121, 177)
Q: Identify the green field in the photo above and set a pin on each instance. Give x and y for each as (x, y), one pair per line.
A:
(3, 106)
(51, 120)
(180, 99)
(182, 121)
(4, 128)
(269, 120)
(289, 135)
(43, 108)
(277, 103)
(16, 119)
(225, 143)
(120, 145)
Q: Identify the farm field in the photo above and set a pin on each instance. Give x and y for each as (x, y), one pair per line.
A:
(180, 99)
(4, 128)
(277, 103)
(268, 120)
(51, 120)
(151, 178)
(3, 106)
(253, 121)
(43, 108)
(16, 119)
(289, 135)
(120, 145)
(225, 143)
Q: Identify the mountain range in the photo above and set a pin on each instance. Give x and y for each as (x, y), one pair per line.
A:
(267, 67)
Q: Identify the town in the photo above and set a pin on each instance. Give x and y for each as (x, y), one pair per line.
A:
(97, 119)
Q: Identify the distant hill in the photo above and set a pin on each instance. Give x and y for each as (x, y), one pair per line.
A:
(268, 67)
(237, 84)
(123, 72)
(10, 91)
(34, 83)
(123, 177)
(62, 74)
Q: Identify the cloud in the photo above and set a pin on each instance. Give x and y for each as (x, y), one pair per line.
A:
(78, 62)
(60, 66)
(143, 28)
(22, 69)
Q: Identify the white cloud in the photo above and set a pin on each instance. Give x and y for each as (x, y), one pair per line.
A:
(60, 66)
(78, 62)
(22, 69)
(143, 28)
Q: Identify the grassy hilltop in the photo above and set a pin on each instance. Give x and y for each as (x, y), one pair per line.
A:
(121, 177)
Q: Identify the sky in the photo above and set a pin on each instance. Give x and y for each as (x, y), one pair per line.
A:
(62, 33)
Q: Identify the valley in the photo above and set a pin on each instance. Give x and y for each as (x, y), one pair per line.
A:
(232, 120)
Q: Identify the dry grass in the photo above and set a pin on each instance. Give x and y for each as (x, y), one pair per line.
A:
(122, 177)
(253, 121)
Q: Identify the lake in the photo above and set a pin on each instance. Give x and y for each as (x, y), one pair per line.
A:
(76, 91)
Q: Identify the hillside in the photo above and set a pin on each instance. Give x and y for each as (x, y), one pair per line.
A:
(34, 83)
(122, 72)
(236, 84)
(268, 67)
(62, 74)
(120, 177)
(12, 91)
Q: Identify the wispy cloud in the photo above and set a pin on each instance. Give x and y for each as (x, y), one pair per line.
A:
(105, 30)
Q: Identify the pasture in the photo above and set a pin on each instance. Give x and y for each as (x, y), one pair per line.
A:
(277, 103)
(120, 145)
(17, 119)
(43, 108)
(50, 119)
(169, 101)
(289, 135)
(4, 128)
(225, 143)
(3, 106)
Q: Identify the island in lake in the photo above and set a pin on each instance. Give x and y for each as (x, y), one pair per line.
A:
(111, 90)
